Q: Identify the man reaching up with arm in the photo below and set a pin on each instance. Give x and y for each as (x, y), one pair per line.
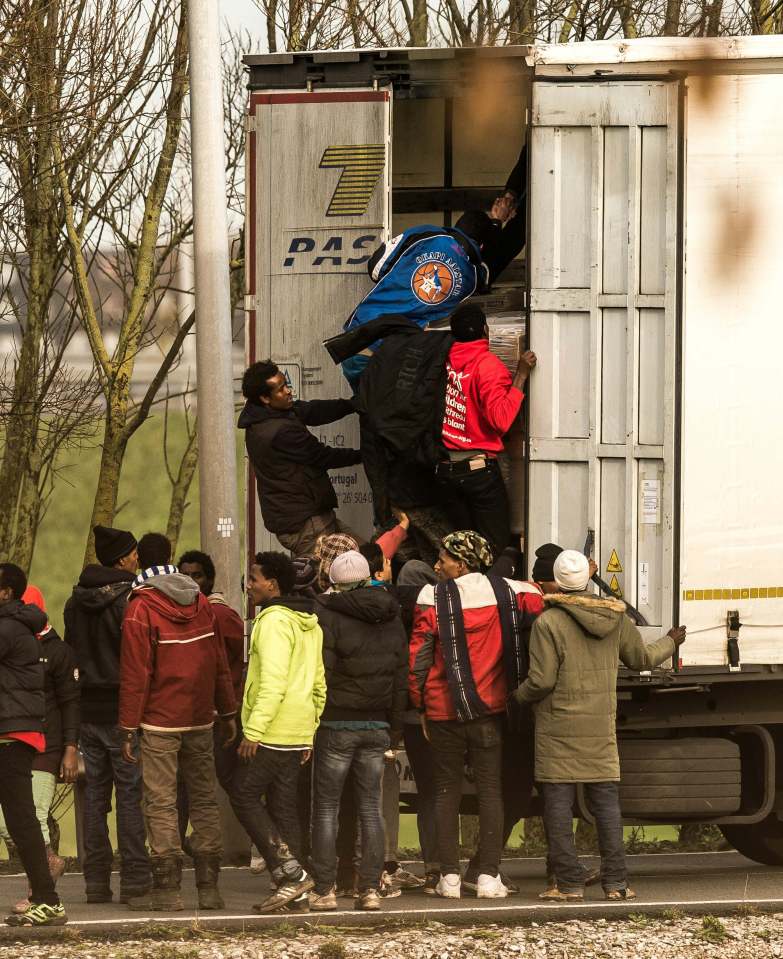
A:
(291, 466)
(576, 647)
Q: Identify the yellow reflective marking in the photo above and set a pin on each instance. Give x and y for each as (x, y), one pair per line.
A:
(733, 592)
(362, 166)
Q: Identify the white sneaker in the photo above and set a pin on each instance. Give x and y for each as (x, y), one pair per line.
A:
(490, 887)
(449, 886)
(257, 862)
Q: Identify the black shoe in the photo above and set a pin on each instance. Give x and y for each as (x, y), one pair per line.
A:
(97, 894)
(131, 892)
(431, 883)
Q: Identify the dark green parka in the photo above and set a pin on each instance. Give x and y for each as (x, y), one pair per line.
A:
(576, 647)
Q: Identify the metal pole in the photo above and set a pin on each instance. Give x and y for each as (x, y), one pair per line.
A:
(217, 464)
(215, 389)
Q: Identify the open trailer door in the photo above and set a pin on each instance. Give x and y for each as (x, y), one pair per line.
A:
(603, 262)
(318, 185)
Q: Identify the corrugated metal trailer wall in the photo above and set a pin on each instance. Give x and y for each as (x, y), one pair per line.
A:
(603, 281)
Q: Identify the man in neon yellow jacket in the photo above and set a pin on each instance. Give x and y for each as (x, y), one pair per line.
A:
(285, 692)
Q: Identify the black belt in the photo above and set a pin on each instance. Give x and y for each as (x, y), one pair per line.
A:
(462, 467)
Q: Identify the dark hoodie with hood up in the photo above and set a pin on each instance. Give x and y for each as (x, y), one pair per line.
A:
(173, 669)
(93, 630)
(576, 647)
(365, 653)
(22, 700)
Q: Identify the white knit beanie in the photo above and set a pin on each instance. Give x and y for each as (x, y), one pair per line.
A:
(572, 571)
(350, 567)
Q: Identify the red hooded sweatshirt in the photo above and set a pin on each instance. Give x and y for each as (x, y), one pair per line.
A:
(173, 669)
(481, 403)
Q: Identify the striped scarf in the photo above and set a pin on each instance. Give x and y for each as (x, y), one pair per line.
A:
(151, 571)
(451, 630)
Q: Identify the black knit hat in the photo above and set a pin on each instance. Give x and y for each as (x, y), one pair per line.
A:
(112, 544)
(543, 568)
(306, 568)
(468, 322)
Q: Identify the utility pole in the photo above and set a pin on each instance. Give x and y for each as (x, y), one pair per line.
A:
(214, 375)
(217, 464)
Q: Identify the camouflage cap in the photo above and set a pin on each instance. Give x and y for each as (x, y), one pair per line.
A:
(469, 546)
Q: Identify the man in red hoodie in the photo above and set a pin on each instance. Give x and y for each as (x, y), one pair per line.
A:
(482, 401)
(173, 675)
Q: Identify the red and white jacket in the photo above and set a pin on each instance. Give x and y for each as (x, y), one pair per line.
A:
(173, 669)
(428, 683)
(481, 403)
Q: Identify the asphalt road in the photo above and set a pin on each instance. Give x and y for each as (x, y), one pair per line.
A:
(696, 883)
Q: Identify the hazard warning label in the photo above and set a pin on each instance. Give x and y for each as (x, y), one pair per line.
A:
(614, 565)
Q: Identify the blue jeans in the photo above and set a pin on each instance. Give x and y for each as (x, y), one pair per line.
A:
(603, 801)
(338, 752)
(105, 768)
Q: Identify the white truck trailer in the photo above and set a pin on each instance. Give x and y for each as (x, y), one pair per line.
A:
(651, 290)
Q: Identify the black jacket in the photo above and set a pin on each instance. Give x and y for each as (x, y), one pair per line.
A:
(365, 656)
(290, 463)
(93, 629)
(22, 703)
(61, 684)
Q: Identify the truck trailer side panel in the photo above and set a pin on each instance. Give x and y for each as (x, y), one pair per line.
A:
(320, 194)
(732, 454)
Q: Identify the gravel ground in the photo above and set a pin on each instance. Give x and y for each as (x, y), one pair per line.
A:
(751, 936)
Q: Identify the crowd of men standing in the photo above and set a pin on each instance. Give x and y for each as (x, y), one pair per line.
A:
(426, 636)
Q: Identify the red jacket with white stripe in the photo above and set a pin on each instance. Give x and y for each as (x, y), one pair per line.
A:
(427, 679)
(481, 403)
(173, 669)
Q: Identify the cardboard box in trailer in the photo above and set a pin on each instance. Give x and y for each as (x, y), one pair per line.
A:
(651, 291)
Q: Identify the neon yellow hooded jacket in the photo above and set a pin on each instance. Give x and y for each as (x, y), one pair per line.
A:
(285, 688)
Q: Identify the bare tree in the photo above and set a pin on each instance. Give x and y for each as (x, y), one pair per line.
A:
(45, 404)
(132, 59)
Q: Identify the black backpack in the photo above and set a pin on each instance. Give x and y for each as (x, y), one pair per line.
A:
(402, 394)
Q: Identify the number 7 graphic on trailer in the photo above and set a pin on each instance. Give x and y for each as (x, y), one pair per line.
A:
(362, 165)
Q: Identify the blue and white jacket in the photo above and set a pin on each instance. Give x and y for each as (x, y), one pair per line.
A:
(423, 274)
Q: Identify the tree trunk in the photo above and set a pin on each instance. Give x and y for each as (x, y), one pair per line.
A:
(671, 24)
(522, 21)
(28, 515)
(419, 30)
(180, 490)
(627, 20)
(114, 445)
(714, 11)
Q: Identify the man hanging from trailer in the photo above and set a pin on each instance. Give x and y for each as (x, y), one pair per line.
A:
(421, 277)
(425, 272)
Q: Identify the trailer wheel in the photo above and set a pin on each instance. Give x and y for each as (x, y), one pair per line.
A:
(762, 841)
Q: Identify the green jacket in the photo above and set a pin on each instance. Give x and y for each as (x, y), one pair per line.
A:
(285, 688)
(576, 647)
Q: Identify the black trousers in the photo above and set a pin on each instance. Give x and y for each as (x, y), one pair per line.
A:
(16, 799)
(272, 774)
(478, 500)
(517, 782)
(482, 740)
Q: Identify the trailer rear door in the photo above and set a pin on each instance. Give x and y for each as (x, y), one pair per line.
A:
(318, 206)
(603, 297)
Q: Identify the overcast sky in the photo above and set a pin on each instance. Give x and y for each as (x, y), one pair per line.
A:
(243, 14)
